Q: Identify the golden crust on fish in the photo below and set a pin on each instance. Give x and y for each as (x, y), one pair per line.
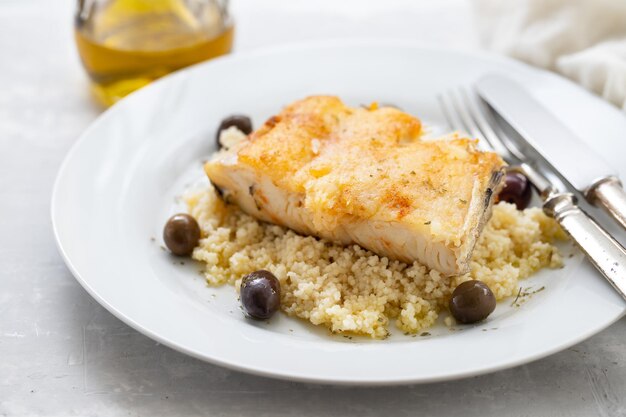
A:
(364, 175)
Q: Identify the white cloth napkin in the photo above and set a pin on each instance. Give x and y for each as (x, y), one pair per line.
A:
(584, 40)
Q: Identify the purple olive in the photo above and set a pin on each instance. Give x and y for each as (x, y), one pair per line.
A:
(260, 294)
(517, 190)
(472, 301)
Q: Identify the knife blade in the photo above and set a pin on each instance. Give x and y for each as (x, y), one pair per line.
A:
(557, 144)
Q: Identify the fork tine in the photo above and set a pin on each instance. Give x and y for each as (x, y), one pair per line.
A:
(459, 118)
(462, 109)
(449, 112)
(487, 125)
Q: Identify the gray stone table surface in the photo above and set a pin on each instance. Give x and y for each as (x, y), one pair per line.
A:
(61, 354)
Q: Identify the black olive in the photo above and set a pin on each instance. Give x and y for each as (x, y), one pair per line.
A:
(472, 301)
(240, 121)
(260, 294)
(181, 234)
(517, 190)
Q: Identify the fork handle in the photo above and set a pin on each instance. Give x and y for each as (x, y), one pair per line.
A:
(609, 194)
(604, 252)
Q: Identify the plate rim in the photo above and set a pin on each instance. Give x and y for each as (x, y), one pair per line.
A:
(280, 374)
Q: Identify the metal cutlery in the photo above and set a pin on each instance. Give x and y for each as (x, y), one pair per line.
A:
(466, 112)
(558, 145)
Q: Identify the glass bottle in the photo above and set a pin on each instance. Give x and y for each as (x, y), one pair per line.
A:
(126, 44)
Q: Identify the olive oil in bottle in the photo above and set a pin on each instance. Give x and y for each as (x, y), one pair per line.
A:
(126, 44)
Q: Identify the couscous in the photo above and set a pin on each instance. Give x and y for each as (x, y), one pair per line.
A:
(352, 290)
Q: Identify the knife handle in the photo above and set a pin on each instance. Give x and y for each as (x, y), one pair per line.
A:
(609, 194)
(604, 252)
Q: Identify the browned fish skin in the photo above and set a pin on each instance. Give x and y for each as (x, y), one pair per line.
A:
(364, 176)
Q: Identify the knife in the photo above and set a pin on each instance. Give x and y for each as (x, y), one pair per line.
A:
(558, 145)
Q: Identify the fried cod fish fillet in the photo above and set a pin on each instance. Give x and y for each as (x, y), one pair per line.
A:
(364, 176)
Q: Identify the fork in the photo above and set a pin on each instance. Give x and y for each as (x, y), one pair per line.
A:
(465, 112)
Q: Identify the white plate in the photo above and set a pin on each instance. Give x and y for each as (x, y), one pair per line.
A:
(118, 186)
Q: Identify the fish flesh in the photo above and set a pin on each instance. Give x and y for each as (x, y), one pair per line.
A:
(363, 175)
